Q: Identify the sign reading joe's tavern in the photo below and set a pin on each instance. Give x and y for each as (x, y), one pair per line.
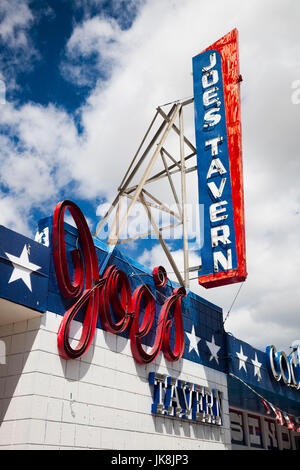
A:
(219, 162)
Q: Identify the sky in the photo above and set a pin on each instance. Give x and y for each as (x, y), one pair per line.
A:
(82, 81)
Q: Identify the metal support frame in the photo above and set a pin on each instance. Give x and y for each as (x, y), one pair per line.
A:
(138, 194)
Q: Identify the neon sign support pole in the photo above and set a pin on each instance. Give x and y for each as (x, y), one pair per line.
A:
(138, 194)
(113, 241)
(183, 195)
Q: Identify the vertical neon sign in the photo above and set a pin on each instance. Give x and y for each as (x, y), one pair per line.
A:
(219, 161)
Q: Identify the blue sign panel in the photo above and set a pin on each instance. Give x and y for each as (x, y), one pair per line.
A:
(220, 169)
(24, 270)
(219, 245)
(252, 367)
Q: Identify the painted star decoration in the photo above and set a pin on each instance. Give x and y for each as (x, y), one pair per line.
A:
(257, 366)
(242, 360)
(22, 268)
(214, 349)
(194, 340)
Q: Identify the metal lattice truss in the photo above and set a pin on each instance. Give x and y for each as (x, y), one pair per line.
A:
(143, 162)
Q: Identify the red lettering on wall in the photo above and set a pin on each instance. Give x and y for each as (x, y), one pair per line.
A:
(109, 297)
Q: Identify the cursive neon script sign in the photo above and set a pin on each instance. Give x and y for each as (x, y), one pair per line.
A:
(110, 297)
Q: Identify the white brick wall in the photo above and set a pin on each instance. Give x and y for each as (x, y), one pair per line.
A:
(101, 401)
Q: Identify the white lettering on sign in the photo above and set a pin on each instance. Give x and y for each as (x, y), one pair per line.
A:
(216, 166)
(213, 62)
(211, 118)
(254, 431)
(216, 209)
(220, 258)
(210, 78)
(272, 441)
(220, 234)
(214, 145)
(217, 192)
(243, 424)
(284, 369)
(180, 399)
(236, 426)
(210, 96)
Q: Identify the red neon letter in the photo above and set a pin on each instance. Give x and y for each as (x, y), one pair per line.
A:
(110, 296)
(85, 266)
(162, 338)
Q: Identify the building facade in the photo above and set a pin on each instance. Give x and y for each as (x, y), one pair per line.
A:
(108, 398)
(104, 399)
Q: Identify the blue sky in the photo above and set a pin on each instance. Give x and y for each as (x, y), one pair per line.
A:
(52, 76)
(83, 79)
(51, 27)
(32, 72)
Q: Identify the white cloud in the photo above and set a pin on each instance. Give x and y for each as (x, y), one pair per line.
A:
(95, 39)
(123, 10)
(14, 213)
(18, 52)
(37, 147)
(93, 35)
(15, 18)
